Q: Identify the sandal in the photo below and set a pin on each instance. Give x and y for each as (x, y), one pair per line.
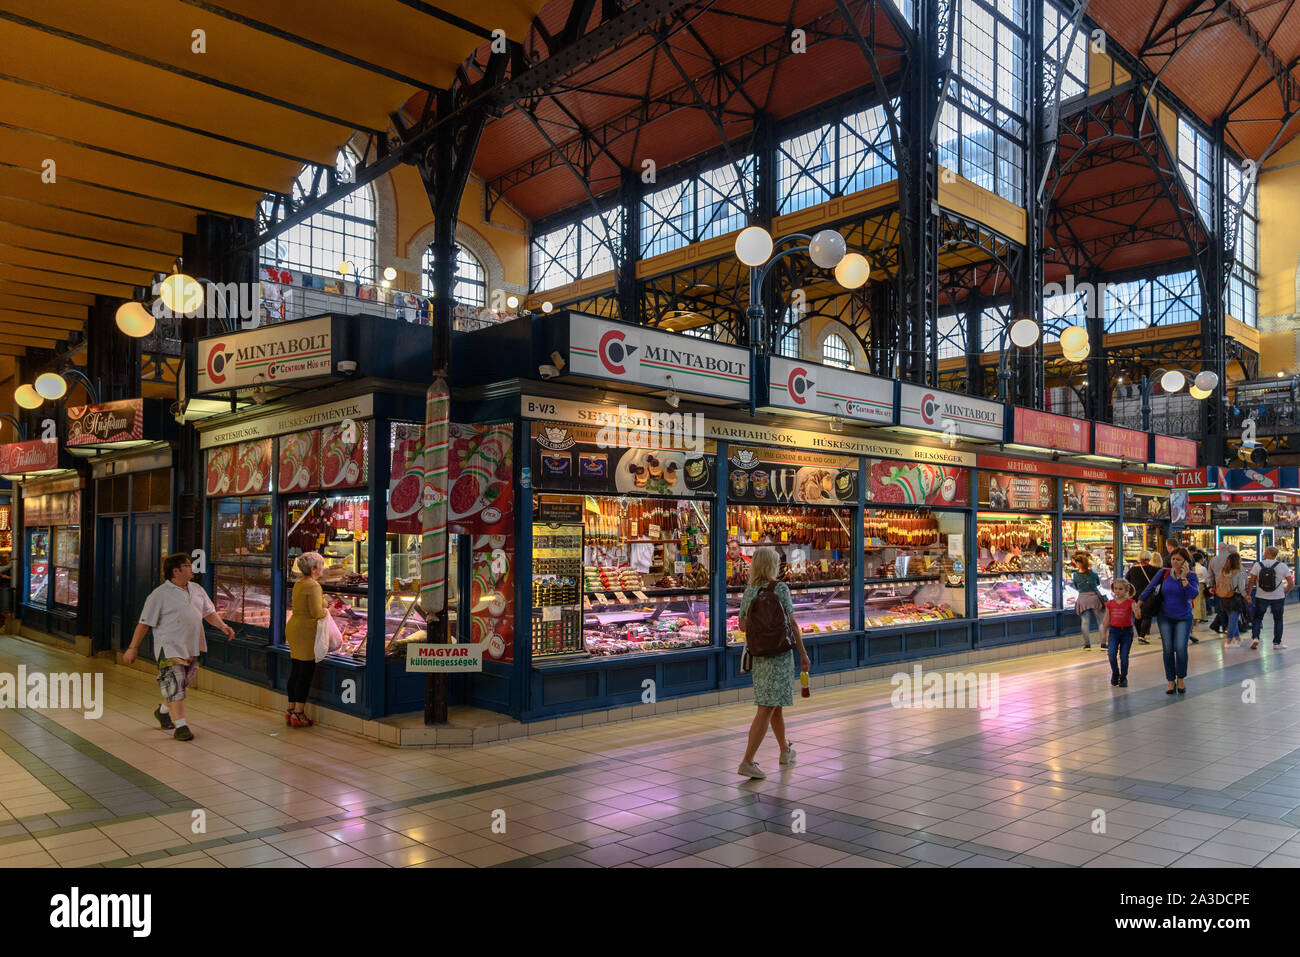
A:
(300, 720)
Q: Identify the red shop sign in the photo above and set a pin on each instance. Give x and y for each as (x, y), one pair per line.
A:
(37, 455)
(1172, 451)
(1117, 443)
(1049, 431)
(1035, 467)
(121, 421)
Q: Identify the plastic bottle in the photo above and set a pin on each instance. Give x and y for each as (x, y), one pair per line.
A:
(803, 685)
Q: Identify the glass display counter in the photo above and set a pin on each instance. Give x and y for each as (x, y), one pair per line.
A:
(241, 560)
(1250, 541)
(910, 572)
(812, 545)
(1016, 556)
(1097, 538)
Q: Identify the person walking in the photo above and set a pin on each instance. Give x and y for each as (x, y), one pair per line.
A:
(308, 611)
(1138, 577)
(1230, 588)
(176, 611)
(773, 675)
(1088, 605)
(1215, 566)
(1117, 622)
(1199, 614)
(1271, 580)
(1177, 587)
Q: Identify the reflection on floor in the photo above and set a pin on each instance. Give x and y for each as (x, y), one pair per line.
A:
(1068, 771)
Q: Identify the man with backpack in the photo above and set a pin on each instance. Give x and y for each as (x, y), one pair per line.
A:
(1271, 580)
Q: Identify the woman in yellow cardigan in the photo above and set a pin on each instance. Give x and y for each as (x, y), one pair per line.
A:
(308, 610)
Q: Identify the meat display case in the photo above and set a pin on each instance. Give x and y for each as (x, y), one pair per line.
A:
(909, 573)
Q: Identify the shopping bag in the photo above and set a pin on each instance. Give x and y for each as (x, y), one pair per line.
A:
(335, 636)
(323, 637)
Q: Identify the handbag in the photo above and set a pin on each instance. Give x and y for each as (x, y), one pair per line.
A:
(1151, 603)
(746, 661)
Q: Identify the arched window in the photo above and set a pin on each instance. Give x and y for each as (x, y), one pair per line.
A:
(469, 285)
(789, 344)
(836, 353)
(343, 232)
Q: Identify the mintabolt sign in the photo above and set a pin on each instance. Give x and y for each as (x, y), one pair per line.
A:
(272, 353)
(37, 455)
(106, 423)
(950, 412)
(809, 387)
(633, 354)
(1048, 431)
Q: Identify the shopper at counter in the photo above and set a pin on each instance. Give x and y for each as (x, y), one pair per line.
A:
(308, 610)
(176, 610)
(1139, 576)
(774, 676)
(1177, 587)
(1088, 606)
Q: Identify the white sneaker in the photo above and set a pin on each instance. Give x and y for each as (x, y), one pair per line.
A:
(751, 770)
(787, 757)
(1280, 644)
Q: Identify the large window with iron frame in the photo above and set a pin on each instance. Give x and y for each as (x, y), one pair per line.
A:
(579, 249)
(845, 156)
(469, 285)
(342, 232)
(1065, 52)
(1243, 283)
(1196, 164)
(982, 122)
(700, 206)
(952, 336)
(1141, 303)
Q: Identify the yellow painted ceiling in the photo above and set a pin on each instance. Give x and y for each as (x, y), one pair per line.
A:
(146, 133)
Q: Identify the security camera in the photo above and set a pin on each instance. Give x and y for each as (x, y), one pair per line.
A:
(347, 366)
(259, 395)
(547, 371)
(673, 400)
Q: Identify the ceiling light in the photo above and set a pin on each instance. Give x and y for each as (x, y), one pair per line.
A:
(1172, 380)
(1196, 393)
(390, 273)
(827, 248)
(853, 271)
(512, 302)
(754, 246)
(1207, 381)
(1074, 343)
(547, 307)
(135, 320)
(1024, 332)
(27, 397)
(51, 385)
(346, 268)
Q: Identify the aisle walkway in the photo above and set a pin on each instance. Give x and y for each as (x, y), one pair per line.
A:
(1209, 779)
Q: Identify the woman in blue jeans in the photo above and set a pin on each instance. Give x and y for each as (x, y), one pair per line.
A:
(1178, 587)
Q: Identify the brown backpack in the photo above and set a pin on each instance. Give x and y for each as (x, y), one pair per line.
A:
(767, 634)
(1223, 588)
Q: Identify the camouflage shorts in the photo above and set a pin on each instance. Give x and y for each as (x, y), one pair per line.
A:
(175, 676)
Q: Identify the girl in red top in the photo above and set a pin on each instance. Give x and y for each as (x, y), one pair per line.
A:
(1117, 625)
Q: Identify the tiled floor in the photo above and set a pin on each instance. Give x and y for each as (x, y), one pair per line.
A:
(1068, 772)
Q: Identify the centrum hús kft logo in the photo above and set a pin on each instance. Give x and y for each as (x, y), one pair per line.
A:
(799, 385)
(217, 360)
(929, 406)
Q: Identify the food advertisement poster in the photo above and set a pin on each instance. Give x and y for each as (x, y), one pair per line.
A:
(1003, 490)
(241, 469)
(343, 454)
(1143, 504)
(299, 461)
(1090, 497)
(491, 596)
(776, 476)
(580, 458)
(219, 481)
(480, 469)
(907, 483)
(405, 478)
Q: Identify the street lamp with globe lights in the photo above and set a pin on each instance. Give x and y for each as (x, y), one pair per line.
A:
(1202, 385)
(827, 249)
(1023, 333)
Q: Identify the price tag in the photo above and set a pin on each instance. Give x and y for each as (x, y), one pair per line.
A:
(679, 568)
(753, 536)
(735, 531)
(621, 598)
(606, 600)
(826, 566)
(785, 536)
(550, 613)
(730, 568)
(653, 532)
(640, 596)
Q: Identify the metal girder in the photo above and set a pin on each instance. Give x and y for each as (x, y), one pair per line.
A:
(715, 86)
(487, 95)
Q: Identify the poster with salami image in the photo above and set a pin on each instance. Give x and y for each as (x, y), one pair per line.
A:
(343, 454)
(491, 601)
(220, 481)
(299, 466)
(910, 483)
(406, 478)
(480, 470)
(252, 467)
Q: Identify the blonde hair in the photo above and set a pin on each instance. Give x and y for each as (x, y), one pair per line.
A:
(764, 566)
(1145, 556)
(307, 561)
(1127, 590)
